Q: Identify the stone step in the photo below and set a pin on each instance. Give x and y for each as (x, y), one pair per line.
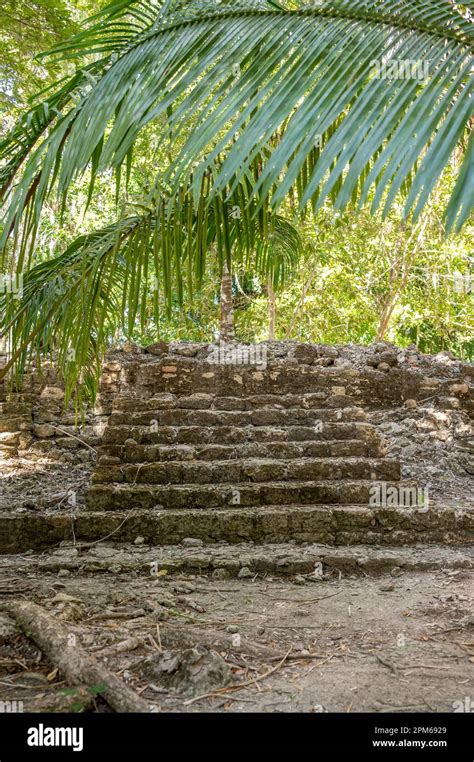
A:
(227, 435)
(200, 401)
(279, 450)
(15, 423)
(15, 408)
(187, 496)
(251, 470)
(266, 417)
(327, 524)
(226, 561)
(186, 377)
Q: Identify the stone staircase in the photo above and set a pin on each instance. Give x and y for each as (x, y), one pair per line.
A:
(204, 463)
(239, 454)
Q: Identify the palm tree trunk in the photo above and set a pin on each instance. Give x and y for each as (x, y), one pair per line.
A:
(271, 311)
(227, 310)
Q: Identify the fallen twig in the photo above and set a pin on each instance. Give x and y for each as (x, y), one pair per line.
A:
(119, 648)
(305, 600)
(96, 542)
(73, 436)
(324, 661)
(387, 664)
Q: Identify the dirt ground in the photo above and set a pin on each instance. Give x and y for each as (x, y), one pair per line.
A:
(398, 641)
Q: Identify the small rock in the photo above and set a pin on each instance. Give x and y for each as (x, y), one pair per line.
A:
(220, 574)
(103, 551)
(64, 573)
(184, 587)
(158, 349)
(384, 367)
(8, 628)
(232, 628)
(64, 598)
(260, 629)
(459, 389)
(388, 357)
(53, 392)
(192, 542)
(132, 349)
(411, 404)
(299, 580)
(388, 587)
(244, 573)
(34, 678)
(139, 540)
(396, 571)
(44, 430)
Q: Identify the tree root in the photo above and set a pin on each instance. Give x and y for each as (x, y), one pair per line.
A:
(77, 666)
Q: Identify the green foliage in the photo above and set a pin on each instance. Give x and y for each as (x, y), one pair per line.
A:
(26, 28)
(357, 267)
(124, 274)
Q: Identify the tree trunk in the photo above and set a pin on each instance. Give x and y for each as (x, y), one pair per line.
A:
(271, 311)
(227, 310)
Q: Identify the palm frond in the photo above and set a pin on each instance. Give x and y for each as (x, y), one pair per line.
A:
(112, 28)
(124, 275)
(299, 86)
(108, 32)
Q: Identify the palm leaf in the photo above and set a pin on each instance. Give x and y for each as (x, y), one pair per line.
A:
(303, 73)
(70, 307)
(110, 31)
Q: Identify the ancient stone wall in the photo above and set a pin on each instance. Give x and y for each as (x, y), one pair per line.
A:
(34, 423)
(373, 377)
